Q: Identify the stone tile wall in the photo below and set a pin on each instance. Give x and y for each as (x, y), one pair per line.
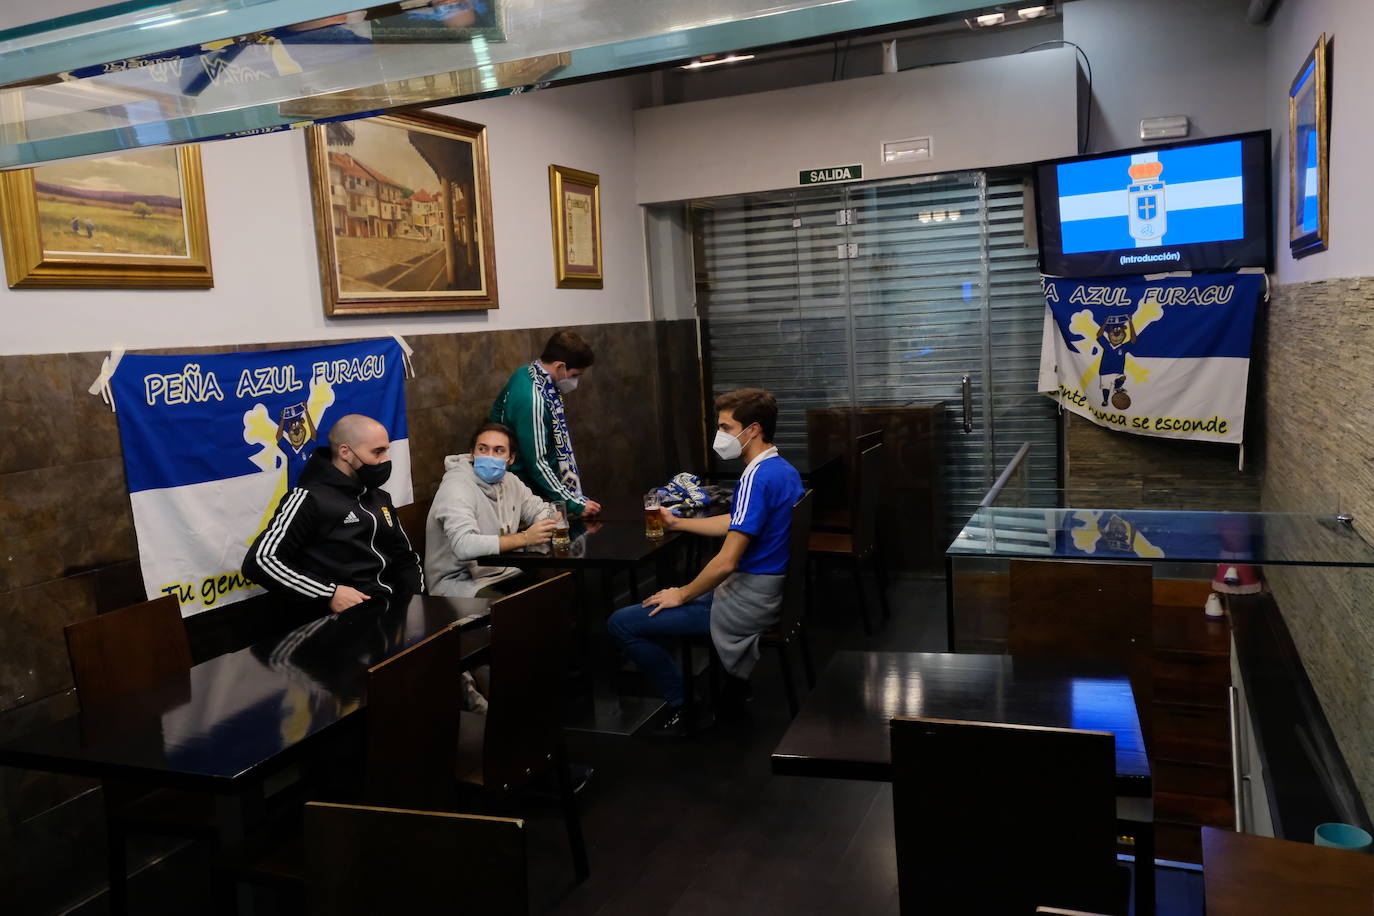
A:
(1311, 449)
(68, 550)
(1144, 472)
(1319, 457)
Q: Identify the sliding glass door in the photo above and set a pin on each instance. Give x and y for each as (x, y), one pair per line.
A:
(885, 294)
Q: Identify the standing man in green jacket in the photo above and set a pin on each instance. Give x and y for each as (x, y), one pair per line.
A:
(532, 405)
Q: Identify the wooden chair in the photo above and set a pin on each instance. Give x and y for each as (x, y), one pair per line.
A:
(362, 861)
(414, 701)
(413, 520)
(1098, 611)
(127, 650)
(994, 818)
(411, 750)
(1080, 610)
(841, 517)
(521, 736)
(118, 653)
(789, 628)
(860, 545)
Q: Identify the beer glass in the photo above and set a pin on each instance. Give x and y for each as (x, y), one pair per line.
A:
(558, 511)
(653, 521)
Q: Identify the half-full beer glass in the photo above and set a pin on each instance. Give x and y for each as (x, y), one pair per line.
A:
(558, 511)
(653, 521)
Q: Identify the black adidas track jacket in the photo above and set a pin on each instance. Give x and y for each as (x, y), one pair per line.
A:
(330, 530)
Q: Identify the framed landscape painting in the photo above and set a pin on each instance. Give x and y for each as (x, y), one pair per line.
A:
(131, 220)
(402, 215)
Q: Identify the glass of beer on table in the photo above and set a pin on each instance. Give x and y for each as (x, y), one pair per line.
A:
(653, 521)
(558, 511)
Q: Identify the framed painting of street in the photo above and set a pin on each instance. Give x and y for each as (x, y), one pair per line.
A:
(402, 215)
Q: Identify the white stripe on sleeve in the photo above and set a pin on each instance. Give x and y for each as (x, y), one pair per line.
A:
(552, 478)
(746, 489)
(274, 567)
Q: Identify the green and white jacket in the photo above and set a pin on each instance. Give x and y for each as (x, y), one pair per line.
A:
(532, 405)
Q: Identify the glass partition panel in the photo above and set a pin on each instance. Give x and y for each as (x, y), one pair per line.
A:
(142, 74)
(1017, 522)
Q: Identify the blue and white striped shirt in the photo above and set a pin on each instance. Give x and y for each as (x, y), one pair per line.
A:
(762, 509)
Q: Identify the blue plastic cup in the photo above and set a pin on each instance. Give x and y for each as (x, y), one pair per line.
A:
(1342, 836)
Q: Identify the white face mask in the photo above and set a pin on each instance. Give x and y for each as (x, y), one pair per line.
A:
(566, 385)
(728, 446)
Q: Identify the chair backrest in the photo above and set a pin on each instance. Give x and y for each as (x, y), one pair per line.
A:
(794, 587)
(993, 818)
(529, 663)
(128, 649)
(361, 861)
(870, 496)
(412, 519)
(854, 460)
(866, 441)
(414, 700)
(1080, 610)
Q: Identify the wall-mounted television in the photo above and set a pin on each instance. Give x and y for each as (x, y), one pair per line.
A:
(1195, 205)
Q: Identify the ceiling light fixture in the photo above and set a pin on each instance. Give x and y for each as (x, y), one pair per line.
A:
(1032, 12)
(990, 19)
(716, 61)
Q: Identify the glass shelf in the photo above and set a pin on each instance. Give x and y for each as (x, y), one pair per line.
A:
(1125, 535)
(140, 74)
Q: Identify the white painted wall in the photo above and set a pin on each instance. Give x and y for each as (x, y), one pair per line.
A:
(982, 113)
(1199, 58)
(262, 241)
(1292, 34)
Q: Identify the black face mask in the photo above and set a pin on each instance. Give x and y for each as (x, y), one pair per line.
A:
(373, 476)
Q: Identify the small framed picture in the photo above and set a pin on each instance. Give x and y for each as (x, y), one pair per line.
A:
(1309, 134)
(128, 221)
(575, 202)
(402, 215)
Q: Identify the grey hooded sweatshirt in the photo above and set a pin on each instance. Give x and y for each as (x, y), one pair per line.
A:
(466, 521)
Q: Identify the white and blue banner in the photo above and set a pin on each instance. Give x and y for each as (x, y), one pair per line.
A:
(1167, 357)
(212, 442)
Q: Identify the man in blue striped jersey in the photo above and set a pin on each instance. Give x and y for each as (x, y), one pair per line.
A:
(738, 594)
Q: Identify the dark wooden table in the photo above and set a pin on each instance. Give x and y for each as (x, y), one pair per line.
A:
(610, 544)
(842, 728)
(237, 718)
(1247, 875)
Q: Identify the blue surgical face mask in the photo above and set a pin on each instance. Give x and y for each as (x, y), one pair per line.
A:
(489, 468)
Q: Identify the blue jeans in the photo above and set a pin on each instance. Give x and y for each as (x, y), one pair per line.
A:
(635, 631)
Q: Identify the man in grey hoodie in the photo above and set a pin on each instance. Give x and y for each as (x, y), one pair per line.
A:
(480, 510)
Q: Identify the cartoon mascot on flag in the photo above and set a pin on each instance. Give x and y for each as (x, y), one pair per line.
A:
(1112, 343)
(286, 442)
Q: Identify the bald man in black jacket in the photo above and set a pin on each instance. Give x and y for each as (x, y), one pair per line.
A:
(335, 536)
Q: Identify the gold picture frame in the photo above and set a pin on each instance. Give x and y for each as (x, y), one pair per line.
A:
(403, 215)
(132, 220)
(1309, 142)
(575, 206)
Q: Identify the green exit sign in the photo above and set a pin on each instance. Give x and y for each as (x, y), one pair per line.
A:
(831, 174)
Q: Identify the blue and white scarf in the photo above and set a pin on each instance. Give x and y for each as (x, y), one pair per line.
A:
(562, 439)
